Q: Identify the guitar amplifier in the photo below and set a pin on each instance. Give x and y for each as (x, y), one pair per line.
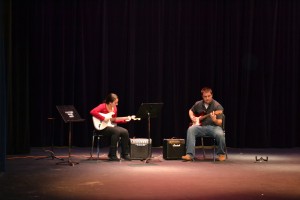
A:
(173, 149)
(140, 148)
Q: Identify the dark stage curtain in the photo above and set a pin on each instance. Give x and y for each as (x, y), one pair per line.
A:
(3, 84)
(73, 52)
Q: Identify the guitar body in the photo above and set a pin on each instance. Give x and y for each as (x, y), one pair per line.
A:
(100, 125)
(198, 122)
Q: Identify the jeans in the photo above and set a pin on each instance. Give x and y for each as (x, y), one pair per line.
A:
(198, 131)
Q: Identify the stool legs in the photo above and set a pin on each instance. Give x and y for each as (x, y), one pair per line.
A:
(98, 145)
(92, 149)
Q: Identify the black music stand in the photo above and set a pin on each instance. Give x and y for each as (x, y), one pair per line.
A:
(51, 119)
(149, 110)
(69, 115)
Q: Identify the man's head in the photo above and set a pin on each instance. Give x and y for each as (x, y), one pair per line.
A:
(207, 95)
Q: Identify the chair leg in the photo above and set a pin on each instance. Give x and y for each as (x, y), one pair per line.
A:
(98, 146)
(202, 144)
(92, 149)
(214, 156)
(226, 151)
(118, 149)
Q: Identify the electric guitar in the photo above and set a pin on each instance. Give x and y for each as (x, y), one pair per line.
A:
(101, 124)
(203, 115)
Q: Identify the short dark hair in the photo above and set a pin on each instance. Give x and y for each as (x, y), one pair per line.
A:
(205, 90)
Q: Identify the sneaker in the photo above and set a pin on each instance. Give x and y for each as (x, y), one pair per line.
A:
(222, 157)
(187, 157)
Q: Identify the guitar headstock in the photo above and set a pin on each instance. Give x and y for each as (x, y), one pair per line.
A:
(135, 118)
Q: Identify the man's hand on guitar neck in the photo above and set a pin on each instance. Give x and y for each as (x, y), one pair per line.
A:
(213, 116)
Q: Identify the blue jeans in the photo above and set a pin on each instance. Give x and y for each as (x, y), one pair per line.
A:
(197, 131)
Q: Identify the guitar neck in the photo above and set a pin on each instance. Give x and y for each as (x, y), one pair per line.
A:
(121, 118)
(216, 113)
(125, 118)
(204, 116)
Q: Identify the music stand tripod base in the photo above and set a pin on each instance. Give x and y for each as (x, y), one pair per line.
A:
(70, 115)
(149, 110)
(69, 162)
(52, 155)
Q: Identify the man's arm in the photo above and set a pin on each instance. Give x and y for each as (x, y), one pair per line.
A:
(213, 116)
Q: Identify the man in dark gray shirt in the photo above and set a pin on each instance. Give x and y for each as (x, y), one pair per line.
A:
(206, 116)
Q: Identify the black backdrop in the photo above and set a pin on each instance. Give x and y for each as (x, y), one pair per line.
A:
(73, 52)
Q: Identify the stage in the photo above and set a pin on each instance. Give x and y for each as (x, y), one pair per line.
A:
(243, 176)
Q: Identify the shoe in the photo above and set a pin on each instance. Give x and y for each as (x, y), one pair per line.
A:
(187, 157)
(126, 157)
(222, 157)
(113, 158)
